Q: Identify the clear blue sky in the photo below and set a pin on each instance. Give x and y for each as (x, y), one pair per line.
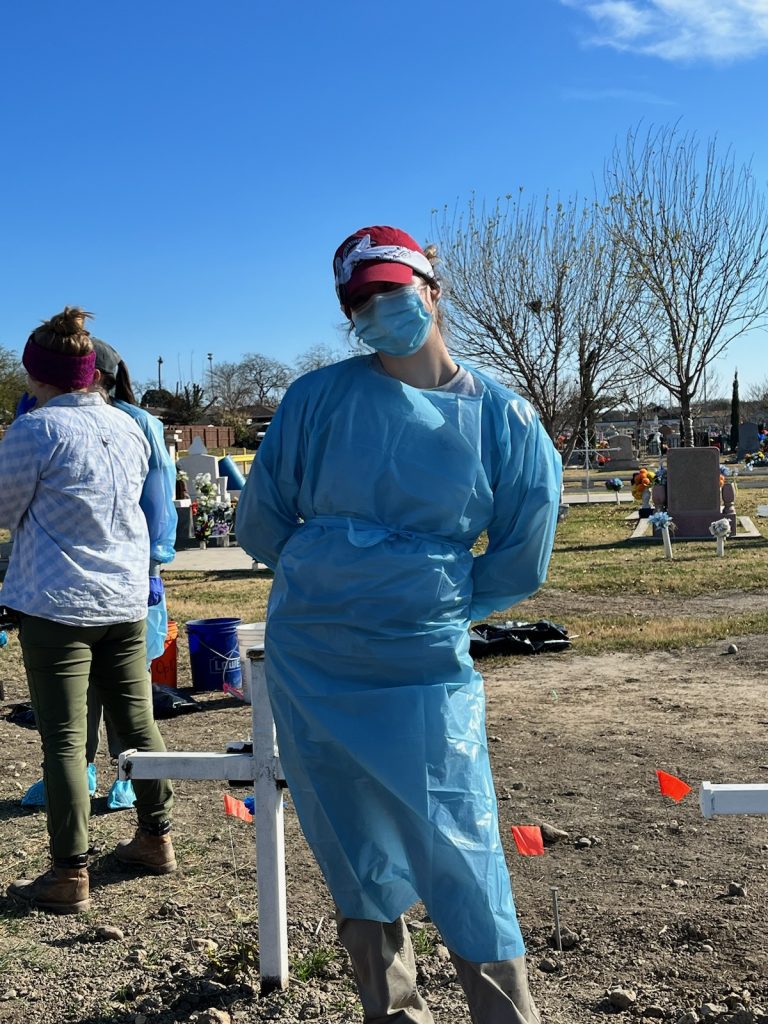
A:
(186, 169)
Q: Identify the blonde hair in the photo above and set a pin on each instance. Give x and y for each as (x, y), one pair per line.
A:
(430, 251)
(65, 332)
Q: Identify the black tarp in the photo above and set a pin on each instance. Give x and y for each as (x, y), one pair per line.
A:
(517, 638)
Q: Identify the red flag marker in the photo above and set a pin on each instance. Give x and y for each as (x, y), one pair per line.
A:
(236, 808)
(671, 786)
(528, 840)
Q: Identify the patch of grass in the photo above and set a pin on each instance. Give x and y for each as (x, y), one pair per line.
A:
(313, 964)
(601, 633)
(22, 953)
(200, 595)
(423, 942)
(594, 555)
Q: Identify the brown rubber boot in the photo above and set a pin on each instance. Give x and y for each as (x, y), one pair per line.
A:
(153, 853)
(59, 891)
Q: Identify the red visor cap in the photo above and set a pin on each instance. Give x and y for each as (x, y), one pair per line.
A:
(377, 270)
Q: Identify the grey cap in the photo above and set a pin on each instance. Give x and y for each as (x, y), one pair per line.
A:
(107, 358)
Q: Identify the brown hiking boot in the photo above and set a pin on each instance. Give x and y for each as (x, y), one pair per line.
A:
(153, 853)
(59, 891)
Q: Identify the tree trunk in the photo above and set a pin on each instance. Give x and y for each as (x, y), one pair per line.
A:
(686, 421)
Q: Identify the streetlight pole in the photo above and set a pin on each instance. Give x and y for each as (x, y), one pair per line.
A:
(210, 372)
(159, 373)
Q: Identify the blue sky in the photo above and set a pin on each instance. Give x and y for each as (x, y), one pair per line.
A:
(186, 169)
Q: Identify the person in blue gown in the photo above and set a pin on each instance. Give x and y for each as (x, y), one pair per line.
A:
(374, 481)
(112, 377)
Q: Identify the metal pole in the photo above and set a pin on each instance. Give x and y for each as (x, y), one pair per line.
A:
(159, 373)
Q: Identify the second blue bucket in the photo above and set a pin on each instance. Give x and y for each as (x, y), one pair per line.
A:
(214, 653)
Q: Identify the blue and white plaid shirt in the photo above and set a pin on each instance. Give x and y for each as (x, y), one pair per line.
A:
(71, 475)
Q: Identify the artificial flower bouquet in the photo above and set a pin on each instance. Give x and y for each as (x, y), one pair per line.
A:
(758, 458)
(641, 482)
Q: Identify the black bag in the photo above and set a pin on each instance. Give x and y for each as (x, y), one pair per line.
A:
(517, 638)
(22, 714)
(167, 702)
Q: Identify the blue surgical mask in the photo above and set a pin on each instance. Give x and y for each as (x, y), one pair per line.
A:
(396, 323)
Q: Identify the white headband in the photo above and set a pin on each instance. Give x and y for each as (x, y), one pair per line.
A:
(364, 251)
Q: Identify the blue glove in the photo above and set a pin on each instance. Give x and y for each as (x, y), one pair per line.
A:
(35, 795)
(155, 591)
(26, 402)
(121, 796)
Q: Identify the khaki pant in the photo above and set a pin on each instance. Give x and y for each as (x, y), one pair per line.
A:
(61, 663)
(385, 970)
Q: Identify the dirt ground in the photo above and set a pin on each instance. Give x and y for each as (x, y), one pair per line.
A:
(660, 902)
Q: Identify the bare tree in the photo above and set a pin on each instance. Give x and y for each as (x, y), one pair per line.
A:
(695, 233)
(232, 389)
(539, 295)
(754, 404)
(266, 378)
(318, 356)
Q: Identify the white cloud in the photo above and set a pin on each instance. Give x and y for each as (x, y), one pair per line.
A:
(687, 30)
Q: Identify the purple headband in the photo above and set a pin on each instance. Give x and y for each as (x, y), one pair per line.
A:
(69, 373)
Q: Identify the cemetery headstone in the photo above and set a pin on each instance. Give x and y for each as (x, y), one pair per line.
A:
(693, 491)
(196, 461)
(747, 439)
(624, 457)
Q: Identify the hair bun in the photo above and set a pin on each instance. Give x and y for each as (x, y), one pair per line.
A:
(430, 251)
(70, 322)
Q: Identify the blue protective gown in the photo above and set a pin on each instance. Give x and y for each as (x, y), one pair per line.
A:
(157, 504)
(366, 497)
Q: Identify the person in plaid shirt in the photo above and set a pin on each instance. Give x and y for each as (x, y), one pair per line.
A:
(71, 475)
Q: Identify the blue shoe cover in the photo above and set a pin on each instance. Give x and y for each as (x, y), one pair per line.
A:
(35, 795)
(121, 796)
(91, 779)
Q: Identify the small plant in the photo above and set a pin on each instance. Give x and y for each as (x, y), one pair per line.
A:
(423, 942)
(238, 963)
(314, 964)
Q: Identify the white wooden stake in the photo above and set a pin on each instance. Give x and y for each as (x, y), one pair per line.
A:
(270, 839)
(263, 767)
(721, 546)
(667, 542)
(734, 798)
(556, 916)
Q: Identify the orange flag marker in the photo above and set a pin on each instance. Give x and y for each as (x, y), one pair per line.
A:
(236, 808)
(671, 786)
(528, 840)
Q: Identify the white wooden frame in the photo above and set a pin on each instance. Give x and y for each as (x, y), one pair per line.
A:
(239, 765)
(733, 798)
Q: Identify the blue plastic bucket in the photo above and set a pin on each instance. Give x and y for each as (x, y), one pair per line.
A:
(214, 653)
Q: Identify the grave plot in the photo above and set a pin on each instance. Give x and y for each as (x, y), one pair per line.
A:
(694, 498)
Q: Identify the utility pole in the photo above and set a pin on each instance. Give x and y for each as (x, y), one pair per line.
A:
(159, 373)
(210, 372)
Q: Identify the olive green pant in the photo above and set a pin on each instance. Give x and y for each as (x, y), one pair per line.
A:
(61, 662)
(385, 971)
